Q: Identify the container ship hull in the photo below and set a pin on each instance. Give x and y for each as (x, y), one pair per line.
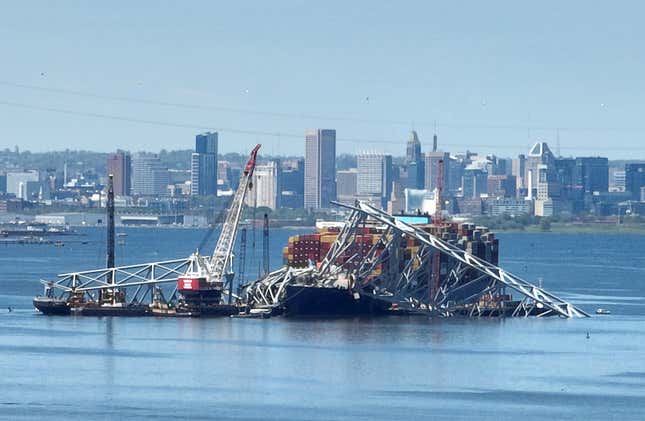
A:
(320, 301)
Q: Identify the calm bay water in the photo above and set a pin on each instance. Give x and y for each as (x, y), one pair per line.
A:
(384, 368)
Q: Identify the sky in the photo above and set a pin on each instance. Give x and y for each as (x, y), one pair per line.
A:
(491, 77)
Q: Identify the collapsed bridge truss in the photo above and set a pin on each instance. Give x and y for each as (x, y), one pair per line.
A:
(467, 285)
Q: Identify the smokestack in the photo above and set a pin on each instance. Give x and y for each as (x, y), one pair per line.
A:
(529, 196)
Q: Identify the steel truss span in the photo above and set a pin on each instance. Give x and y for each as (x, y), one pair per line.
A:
(466, 286)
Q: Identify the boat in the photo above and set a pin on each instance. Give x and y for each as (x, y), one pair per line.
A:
(121, 234)
(602, 311)
(52, 306)
(304, 300)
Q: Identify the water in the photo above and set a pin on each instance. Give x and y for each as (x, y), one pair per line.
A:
(385, 368)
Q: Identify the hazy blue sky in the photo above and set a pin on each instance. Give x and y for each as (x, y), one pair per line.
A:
(485, 71)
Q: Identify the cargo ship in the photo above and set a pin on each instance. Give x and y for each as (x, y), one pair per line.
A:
(303, 300)
(308, 250)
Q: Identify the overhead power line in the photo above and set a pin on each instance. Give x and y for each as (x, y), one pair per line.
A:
(318, 117)
(276, 134)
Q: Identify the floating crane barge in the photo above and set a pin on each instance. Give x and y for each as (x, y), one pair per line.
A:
(201, 285)
(399, 268)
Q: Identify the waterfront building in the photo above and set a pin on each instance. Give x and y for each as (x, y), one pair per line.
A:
(634, 179)
(149, 176)
(204, 165)
(120, 166)
(292, 184)
(320, 168)
(17, 183)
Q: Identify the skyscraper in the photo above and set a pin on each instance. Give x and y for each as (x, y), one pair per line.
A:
(320, 168)
(374, 175)
(203, 165)
(346, 181)
(414, 162)
(592, 174)
(432, 169)
(119, 165)
(292, 184)
(149, 176)
(634, 179)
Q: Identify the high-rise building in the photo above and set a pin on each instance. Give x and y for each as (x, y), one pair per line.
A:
(413, 148)
(292, 184)
(224, 173)
(414, 163)
(474, 183)
(320, 168)
(374, 178)
(501, 186)
(17, 182)
(119, 165)
(432, 160)
(149, 176)
(203, 165)
(518, 170)
(346, 181)
(592, 174)
(634, 179)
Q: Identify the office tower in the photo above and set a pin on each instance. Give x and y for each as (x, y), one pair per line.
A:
(203, 165)
(519, 171)
(414, 163)
(149, 176)
(501, 186)
(374, 176)
(346, 181)
(292, 184)
(223, 173)
(413, 148)
(119, 165)
(634, 179)
(320, 168)
(17, 182)
(432, 160)
(592, 174)
(474, 182)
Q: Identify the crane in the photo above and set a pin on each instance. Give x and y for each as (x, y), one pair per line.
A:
(206, 279)
(224, 248)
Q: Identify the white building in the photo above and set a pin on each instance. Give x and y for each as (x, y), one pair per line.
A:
(17, 182)
(149, 176)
